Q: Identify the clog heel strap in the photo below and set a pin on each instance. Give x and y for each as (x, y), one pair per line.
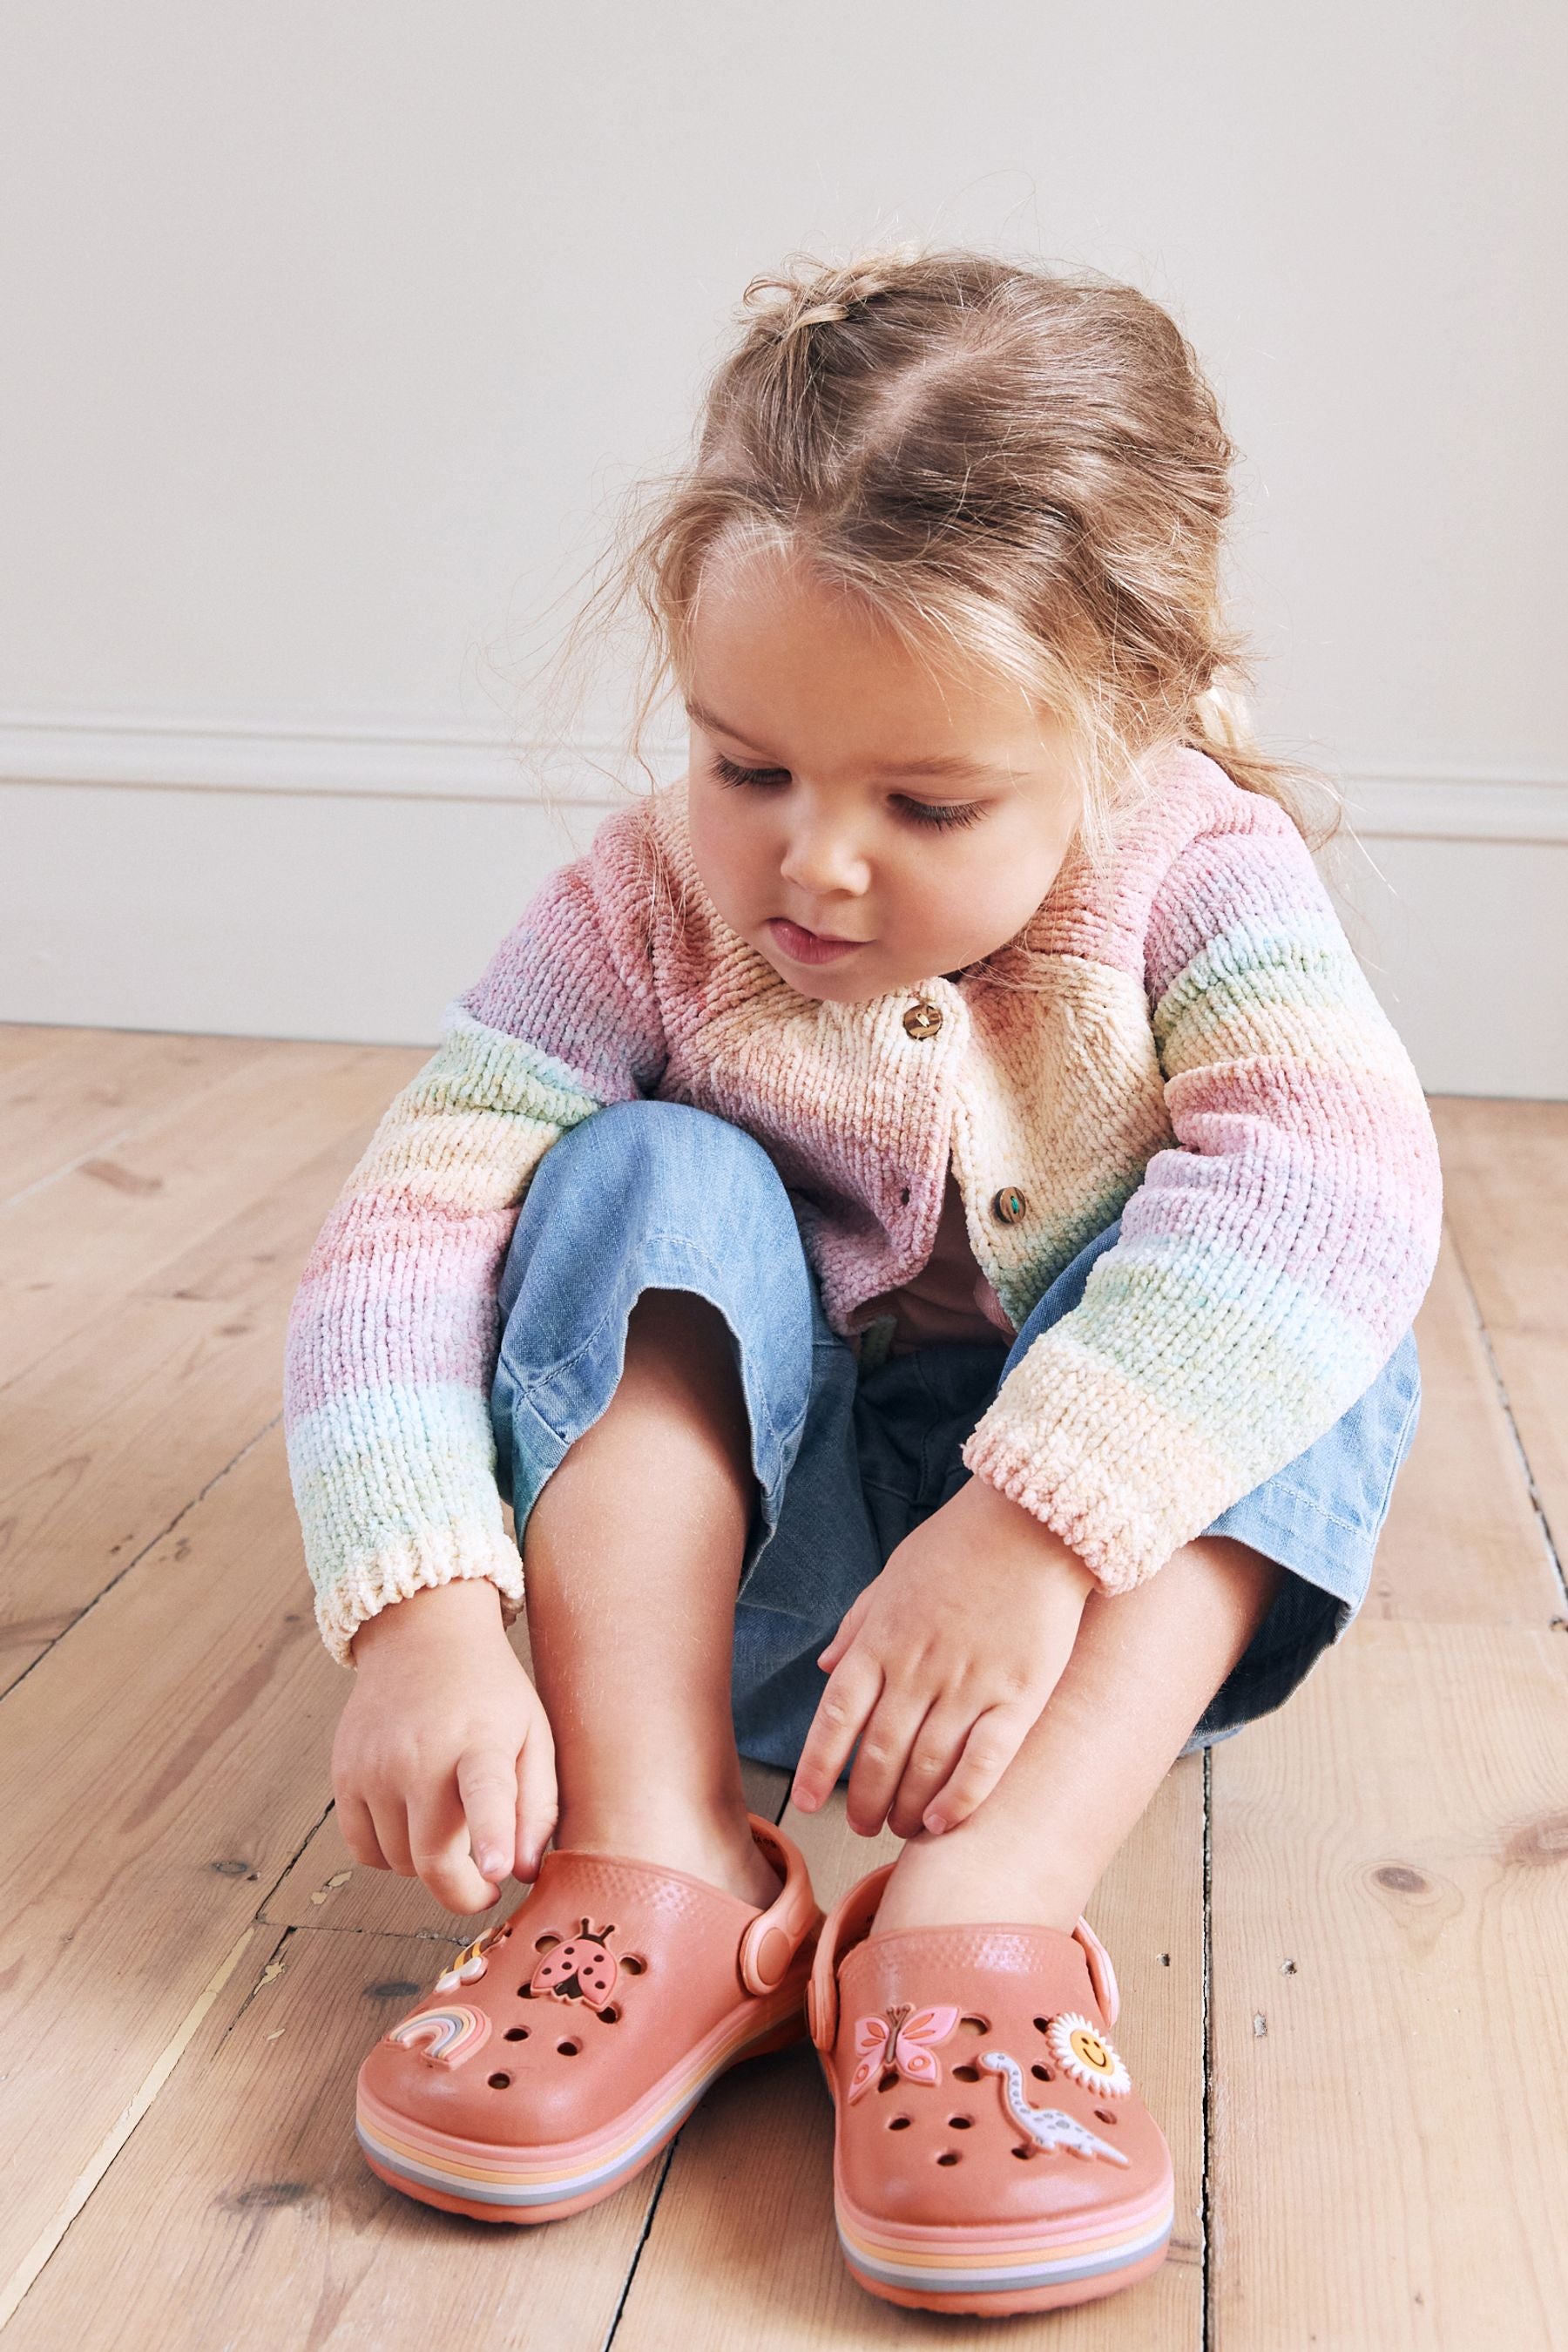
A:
(775, 1935)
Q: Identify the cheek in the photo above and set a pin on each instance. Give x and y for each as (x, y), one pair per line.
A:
(983, 893)
(729, 844)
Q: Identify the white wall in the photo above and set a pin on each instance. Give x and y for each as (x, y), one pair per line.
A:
(332, 330)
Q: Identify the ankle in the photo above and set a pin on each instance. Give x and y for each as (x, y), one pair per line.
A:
(709, 1837)
(956, 1880)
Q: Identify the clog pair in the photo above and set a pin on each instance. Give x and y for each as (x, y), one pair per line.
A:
(991, 2154)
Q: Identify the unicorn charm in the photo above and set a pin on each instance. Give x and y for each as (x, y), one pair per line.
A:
(471, 1963)
(1049, 2128)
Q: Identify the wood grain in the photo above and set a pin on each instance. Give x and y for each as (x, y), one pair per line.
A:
(1462, 1543)
(1506, 1176)
(1390, 2101)
(241, 2214)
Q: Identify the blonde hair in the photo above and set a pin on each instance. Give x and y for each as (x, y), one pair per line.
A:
(1022, 463)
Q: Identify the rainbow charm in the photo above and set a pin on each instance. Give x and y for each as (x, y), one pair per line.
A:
(448, 2035)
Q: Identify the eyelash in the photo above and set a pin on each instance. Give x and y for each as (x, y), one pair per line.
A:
(940, 816)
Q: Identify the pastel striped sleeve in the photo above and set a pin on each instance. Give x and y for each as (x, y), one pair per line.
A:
(1265, 1270)
(394, 1328)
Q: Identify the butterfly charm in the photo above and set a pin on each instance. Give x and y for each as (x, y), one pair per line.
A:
(903, 2040)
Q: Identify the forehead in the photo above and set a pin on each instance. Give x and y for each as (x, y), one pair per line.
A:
(780, 659)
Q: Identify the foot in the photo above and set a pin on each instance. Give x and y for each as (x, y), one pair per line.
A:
(966, 1877)
(714, 1845)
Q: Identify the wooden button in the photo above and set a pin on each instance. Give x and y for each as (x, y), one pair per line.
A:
(924, 1018)
(1009, 1205)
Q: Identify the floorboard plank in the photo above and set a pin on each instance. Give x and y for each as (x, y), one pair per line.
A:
(164, 1765)
(241, 2213)
(26, 1041)
(90, 1088)
(1462, 1543)
(1389, 1895)
(73, 1247)
(1506, 1183)
(109, 1436)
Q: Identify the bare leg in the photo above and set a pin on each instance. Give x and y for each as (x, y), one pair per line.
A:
(1144, 1668)
(632, 1555)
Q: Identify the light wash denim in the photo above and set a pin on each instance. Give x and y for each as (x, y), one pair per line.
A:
(660, 1195)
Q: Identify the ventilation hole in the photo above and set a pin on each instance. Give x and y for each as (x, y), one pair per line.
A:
(959, 2123)
(1042, 2025)
(499, 2082)
(568, 2049)
(548, 1943)
(976, 2025)
(898, 2123)
(1025, 2152)
(890, 2079)
(611, 2016)
(966, 2074)
(517, 2033)
(633, 1964)
(948, 2156)
(1105, 2115)
(1042, 2073)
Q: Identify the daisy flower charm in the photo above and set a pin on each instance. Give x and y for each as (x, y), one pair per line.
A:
(1082, 2053)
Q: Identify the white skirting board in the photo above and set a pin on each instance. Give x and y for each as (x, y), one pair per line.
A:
(347, 887)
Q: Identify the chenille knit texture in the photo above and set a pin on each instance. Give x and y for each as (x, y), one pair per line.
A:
(1182, 1036)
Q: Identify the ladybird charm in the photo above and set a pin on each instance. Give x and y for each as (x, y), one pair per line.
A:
(582, 1968)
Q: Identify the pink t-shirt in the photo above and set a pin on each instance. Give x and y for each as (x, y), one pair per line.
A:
(948, 1300)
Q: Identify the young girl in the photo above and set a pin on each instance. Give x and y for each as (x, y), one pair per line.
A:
(922, 1223)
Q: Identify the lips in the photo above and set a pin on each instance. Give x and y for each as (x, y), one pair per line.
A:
(809, 947)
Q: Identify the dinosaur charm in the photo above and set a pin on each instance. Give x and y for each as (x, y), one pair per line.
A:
(1049, 2128)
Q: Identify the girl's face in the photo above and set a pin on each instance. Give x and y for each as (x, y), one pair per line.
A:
(861, 822)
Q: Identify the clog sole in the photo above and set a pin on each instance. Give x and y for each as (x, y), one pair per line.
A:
(493, 2182)
(1041, 2266)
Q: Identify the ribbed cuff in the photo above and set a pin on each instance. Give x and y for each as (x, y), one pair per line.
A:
(439, 1557)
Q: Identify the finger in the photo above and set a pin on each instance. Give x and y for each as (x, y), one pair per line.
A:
(840, 1717)
(358, 1833)
(390, 1817)
(881, 1757)
(487, 1790)
(938, 1745)
(438, 1841)
(995, 1739)
(537, 1802)
(848, 1626)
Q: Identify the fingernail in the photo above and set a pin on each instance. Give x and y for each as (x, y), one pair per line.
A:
(934, 1824)
(492, 1862)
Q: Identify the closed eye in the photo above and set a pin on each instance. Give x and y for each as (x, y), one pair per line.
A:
(729, 772)
(937, 815)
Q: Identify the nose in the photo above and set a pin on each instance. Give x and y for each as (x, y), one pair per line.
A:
(821, 860)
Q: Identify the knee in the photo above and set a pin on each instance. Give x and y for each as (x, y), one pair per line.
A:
(642, 1146)
(646, 1167)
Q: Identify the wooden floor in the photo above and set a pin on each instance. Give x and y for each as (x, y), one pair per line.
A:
(1343, 1937)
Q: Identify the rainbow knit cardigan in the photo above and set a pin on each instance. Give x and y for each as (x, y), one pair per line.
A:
(1183, 1036)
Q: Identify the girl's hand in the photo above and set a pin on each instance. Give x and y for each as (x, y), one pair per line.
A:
(444, 1747)
(942, 1664)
